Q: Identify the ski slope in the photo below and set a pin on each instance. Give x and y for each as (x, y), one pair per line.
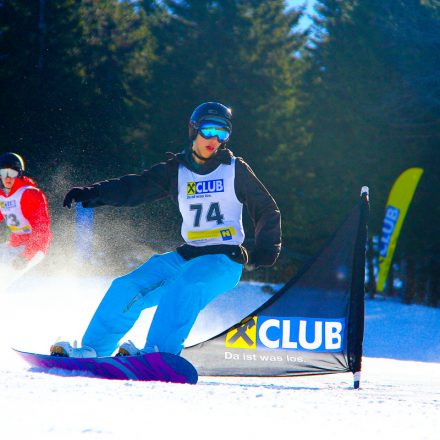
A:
(399, 396)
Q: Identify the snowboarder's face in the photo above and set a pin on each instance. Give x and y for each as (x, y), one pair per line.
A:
(205, 147)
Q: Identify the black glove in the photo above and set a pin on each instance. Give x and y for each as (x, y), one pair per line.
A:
(19, 262)
(80, 195)
(261, 257)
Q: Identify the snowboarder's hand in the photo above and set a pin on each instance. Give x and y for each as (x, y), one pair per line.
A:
(261, 258)
(79, 194)
(19, 262)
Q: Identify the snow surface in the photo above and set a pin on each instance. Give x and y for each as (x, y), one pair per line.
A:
(399, 396)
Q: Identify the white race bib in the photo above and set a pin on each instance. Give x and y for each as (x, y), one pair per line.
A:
(10, 207)
(211, 211)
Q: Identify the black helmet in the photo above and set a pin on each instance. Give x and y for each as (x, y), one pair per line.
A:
(209, 111)
(14, 161)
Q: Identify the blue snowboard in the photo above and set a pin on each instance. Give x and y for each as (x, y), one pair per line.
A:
(163, 367)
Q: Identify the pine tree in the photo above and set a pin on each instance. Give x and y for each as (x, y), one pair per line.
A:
(38, 78)
(374, 109)
(75, 78)
(116, 58)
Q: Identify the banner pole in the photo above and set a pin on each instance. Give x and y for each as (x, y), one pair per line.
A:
(357, 294)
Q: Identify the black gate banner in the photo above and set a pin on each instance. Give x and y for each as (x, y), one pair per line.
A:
(312, 325)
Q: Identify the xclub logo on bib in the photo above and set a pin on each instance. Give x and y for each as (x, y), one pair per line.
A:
(204, 187)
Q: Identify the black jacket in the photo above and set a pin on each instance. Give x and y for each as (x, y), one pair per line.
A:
(161, 181)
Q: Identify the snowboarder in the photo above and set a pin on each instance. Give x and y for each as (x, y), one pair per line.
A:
(210, 187)
(24, 209)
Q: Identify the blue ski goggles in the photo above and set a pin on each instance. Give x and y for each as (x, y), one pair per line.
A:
(209, 130)
(8, 172)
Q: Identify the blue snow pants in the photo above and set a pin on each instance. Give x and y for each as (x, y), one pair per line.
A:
(180, 289)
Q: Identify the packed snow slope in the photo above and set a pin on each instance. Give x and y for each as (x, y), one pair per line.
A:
(399, 396)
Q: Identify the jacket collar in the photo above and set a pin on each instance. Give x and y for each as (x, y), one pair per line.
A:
(222, 156)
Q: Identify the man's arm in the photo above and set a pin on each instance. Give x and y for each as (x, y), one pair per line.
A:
(35, 208)
(131, 190)
(264, 213)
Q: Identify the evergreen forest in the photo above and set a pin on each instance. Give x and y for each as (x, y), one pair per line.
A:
(94, 89)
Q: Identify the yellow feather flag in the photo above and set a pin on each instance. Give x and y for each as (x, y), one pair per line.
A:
(398, 202)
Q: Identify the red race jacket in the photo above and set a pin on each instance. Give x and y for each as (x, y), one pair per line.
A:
(35, 209)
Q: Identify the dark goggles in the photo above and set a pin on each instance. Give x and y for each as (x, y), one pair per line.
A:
(209, 130)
